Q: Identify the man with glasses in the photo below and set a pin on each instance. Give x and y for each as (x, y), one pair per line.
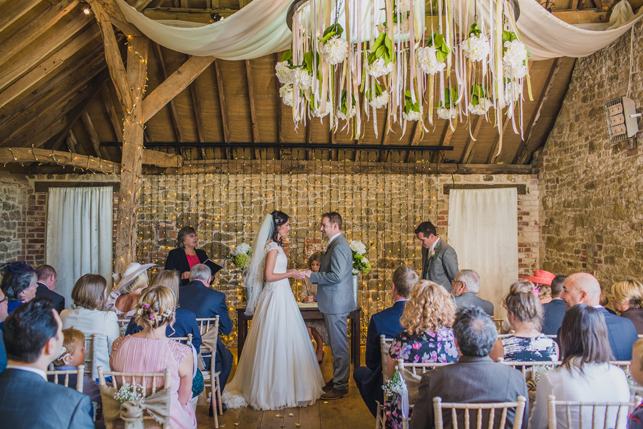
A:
(464, 289)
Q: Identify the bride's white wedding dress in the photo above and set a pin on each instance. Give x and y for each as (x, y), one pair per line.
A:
(278, 367)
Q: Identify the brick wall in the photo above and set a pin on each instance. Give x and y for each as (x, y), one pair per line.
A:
(591, 189)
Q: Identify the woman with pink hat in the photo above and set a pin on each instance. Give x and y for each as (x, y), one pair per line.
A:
(123, 299)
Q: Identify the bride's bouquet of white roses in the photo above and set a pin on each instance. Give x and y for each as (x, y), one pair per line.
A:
(241, 255)
(360, 263)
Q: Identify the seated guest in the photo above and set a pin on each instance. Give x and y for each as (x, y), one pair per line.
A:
(554, 311)
(540, 278)
(131, 283)
(150, 351)
(19, 284)
(544, 294)
(585, 373)
(627, 298)
(186, 255)
(205, 302)
(33, 339)
(3, 316)
(72, 356)
(387, 322)
(88, 317)
(474, 378)
(583, 288)
(464, 289)
(309, 294)
(47, 280)
(525, 314)
(428, 337)
(636, 368)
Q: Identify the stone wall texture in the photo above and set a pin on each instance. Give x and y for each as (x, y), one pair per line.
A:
(591, 189)
(13, 202)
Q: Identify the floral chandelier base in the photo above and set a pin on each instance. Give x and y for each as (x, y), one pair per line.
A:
(350, 58)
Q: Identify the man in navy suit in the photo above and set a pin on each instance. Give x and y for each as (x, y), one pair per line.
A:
(387, 322)
(554, 311)
(33, 339)
(205, 302)
(47, 280)
(583, 288)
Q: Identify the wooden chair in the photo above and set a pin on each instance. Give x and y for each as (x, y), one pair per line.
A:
(80, 374)
(91, 343)
(591, 415)
(532, 368)
(209, 328)
(385, 345)
(183, 340)
(438, 406)
(147, 380)
(122, 323)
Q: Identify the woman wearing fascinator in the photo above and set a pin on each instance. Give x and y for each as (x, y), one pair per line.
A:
(278, 367)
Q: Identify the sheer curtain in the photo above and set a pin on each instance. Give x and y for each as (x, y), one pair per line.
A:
(79, 234)
(483, 230)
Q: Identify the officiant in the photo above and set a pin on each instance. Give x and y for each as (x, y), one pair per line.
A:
(186, 255)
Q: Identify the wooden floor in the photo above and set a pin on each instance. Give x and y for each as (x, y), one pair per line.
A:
(348, 412)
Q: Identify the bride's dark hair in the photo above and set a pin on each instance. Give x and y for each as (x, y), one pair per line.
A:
(278, 219)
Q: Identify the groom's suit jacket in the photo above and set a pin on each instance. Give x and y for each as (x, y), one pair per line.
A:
(334, 279)
(442, 267)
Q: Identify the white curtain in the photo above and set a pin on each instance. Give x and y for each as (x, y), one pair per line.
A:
(483, 230)
(79, 235)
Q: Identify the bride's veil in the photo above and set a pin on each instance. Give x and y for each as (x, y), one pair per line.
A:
(254, 280)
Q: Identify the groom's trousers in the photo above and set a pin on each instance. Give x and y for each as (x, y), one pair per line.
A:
(337, 327)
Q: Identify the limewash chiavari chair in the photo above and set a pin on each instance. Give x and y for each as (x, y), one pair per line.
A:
(610, 413)
(209, 328)
(385, 345)
(438, 406)
(183, 340)
(91, 345)
(65, 374)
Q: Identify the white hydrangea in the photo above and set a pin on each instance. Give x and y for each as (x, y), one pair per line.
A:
(402, 6)
(243, 249)
(349, 114)
(358, 247)
(380, 101)
(481, 108)
(444, 113)
(317, 113)
(284, 74)
(335, 50)
(412, 115)
(303, 78)
(378, 68)
(516, 54)
(428, 61)
(518, 72)
(287, 95)
(476, 48)
(355, 272)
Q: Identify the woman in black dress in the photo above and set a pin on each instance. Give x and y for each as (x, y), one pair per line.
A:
(186, 255)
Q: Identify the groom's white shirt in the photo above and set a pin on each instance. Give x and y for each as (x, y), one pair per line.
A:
(330, 240)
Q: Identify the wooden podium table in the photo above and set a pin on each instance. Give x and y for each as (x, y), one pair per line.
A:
(308, 313)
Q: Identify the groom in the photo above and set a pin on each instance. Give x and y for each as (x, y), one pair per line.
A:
(335, 300)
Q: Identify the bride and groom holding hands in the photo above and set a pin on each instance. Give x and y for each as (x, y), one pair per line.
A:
(278, 366)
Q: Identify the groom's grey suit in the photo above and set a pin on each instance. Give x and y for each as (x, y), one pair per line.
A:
(335, 300)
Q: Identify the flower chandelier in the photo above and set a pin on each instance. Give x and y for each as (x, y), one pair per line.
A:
(350, 58)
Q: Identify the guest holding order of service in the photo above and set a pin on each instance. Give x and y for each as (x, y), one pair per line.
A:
(186, 255)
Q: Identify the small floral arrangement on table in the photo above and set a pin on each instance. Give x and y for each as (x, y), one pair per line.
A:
(129, 393)
(241, 255)
(360, 263)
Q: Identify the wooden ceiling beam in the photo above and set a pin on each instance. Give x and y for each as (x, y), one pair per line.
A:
(174, 85)
(222, 104)
(115, 16)
(71, 142)
(15, 12)
(444, 141)
(23, 155)
(47, 133)
(174, 114)
(549, 84)
(203, 16)
(253, 111)
(471, 139)
(91, 132)
(117, 125)
(48, 66)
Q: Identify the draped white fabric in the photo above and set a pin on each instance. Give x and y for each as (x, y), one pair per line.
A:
(79, 235)
(260, 29)
(483, 230)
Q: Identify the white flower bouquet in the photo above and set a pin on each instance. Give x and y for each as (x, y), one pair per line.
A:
(130, 393)
(476, 47)
(360, 263)
(514, 59)
(480, 103)
(411, 110)
(345, 111)
(432, 58)
(284, 73)
(382, 56)
(446, 110)
(241, 255)
(287, 95)
(378, 99)
(333, 48)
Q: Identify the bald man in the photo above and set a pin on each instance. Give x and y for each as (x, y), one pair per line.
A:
(583, 288)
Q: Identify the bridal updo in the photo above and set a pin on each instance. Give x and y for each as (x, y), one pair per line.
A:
(156, 307)
(278, 219)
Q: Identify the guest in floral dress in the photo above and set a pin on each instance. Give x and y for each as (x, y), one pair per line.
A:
(428, 336)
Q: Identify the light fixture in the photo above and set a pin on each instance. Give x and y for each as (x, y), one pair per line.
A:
(86, 11)
(621, 119)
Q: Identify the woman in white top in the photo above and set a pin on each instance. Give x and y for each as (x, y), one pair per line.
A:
(87, 316)
(585, 373)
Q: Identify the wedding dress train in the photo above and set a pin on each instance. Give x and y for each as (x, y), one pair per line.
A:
(278, 367)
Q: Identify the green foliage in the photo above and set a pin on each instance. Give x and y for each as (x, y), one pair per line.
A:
(508, 36)
(332, 31)
(360, 265)
(382, 48)
(442, 50)
(450, 97)
(477, 93)
(287, 56)
(475, 30)
(344, 105)
(242, 260)
(378, 91)
(308, 64)
(408, 105)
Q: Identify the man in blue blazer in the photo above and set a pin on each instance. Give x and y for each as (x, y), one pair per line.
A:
(583, 288)
(554, 311)
(33, 339)
(205, 302)
(387, 322)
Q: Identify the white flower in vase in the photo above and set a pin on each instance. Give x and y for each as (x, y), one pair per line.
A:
(412, 115)
(428, 61)
(380, 101)
(476, 48)
(379, 68)
(444, 113)
(287, 95)
(518, 72)
(284, 73)
(515, 55)
(358, 247)
(335, 50)
(484, 104)
(242, 249)
(355, 272)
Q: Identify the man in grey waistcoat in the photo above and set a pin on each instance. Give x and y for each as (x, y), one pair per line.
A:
(335, 300)
(439, 260)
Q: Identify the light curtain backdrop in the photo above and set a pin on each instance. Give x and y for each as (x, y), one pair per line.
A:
(483, 230)
(79, 235)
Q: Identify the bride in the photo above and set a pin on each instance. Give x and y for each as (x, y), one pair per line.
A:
(278, 367)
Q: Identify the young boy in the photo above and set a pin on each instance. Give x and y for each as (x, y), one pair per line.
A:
(636, 368)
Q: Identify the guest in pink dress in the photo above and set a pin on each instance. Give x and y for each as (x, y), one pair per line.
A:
(151, 351)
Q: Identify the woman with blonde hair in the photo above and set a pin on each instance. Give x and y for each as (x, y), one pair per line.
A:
(428, 336)
(151, 351)
(627, 298)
